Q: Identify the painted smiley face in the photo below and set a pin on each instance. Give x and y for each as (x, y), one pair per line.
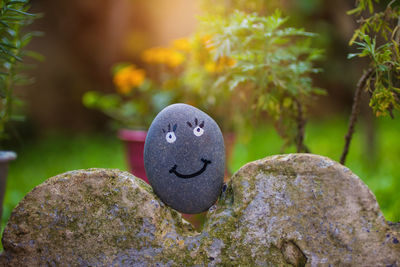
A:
(171, 138)
(184, 158)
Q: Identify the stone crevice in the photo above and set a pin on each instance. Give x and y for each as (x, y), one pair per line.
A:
(293, 254)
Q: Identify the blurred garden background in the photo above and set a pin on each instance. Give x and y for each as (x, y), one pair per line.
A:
(281, 81)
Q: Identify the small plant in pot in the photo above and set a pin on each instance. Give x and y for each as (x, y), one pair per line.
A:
(14, 17)
(136, 101)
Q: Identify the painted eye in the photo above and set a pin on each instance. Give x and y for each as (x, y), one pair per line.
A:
(198, 131)
(170, 137)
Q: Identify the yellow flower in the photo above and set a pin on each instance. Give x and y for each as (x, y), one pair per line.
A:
(149, 55)
(160, 55)
(128, 78)
(174, 58)
(181, 44)
(163, 55)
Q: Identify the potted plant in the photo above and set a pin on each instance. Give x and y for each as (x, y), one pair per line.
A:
(13, 18)
(136, 101)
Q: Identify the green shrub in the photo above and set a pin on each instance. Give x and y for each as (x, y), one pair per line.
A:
(13, 19)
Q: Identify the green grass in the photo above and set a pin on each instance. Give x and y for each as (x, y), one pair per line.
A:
(58, 153)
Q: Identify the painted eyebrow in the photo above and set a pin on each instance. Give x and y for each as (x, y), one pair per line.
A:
(196, 121)
(174, 127)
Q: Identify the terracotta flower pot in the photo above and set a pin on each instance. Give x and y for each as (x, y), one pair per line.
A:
(134, 145)
(5, 158)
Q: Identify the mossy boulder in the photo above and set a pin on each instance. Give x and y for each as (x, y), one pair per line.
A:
(89, 218)
(296, 209)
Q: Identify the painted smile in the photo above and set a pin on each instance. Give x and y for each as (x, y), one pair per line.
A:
(188, 176)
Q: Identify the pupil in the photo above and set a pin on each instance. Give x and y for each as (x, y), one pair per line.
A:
(198, 129)
(170, 136)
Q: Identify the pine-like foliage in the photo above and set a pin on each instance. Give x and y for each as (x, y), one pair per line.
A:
(13, 18)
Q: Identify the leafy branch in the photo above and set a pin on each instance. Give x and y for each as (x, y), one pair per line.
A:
(377, 38)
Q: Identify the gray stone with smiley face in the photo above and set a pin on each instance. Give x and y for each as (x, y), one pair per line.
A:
(184, 158)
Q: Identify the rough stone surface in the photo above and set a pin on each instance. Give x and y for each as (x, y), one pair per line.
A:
(92, 217)
(314, 205)
(296, 209)
(184, 158)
